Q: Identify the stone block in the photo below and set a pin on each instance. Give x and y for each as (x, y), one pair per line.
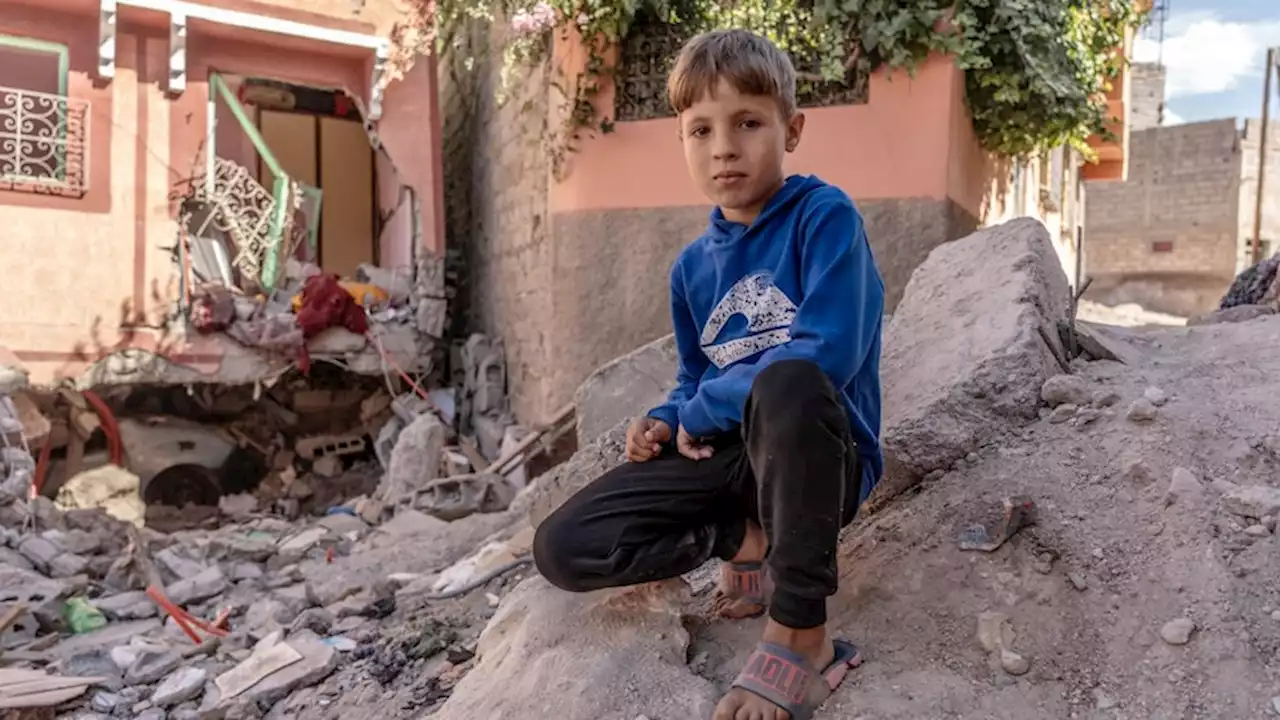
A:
(625, 388)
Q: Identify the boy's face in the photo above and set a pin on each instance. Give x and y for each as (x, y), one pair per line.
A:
(734, 145)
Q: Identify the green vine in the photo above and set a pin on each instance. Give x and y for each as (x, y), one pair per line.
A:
(1036, 71)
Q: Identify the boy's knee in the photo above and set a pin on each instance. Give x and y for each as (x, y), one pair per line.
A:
(553, 552)
(792, 383)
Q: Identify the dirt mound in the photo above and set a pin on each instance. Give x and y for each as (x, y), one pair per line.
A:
(1148, 587)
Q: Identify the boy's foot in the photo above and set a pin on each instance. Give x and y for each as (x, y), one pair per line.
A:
(790, 674)
(745, 588)
(743, 592)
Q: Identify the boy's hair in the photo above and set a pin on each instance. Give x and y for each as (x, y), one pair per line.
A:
(749, 62)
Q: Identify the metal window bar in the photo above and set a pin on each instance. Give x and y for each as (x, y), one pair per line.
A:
(44, 140)
(260, 221)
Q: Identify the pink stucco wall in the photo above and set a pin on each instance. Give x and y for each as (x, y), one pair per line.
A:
(92, 275)
(913, 139)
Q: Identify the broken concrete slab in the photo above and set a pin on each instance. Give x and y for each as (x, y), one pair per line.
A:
(133, 605)
(207, 584)
(317, 661)
(111, 488)
(415, 459)
(625, 388)
(550, 649)
(966, 355)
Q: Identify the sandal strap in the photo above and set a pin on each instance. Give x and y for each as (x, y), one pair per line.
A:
(746, 581)
(779, 675)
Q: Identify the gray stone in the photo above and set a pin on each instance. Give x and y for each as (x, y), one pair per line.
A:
(151, 665)
(1177, 632)
(630, 638)
(625, 388)
(39, 552)
(203, 586)
(1104, 398)
(317, 620)
(14, 559)
(150, 714)
(104, 702)
(126, 606)
(1061, 389)
(246, 571)
(180, 686)
(1155, 396)
(1141, 411)
(177, 566)
(1252, 501)
(1013, 663)
(317, 663)
(95, 662)
(1183, 488)
(67, 565)
(965, 358)
(415, 459)
(1062, 413)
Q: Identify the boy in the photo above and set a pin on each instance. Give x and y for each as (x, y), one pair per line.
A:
(768, 445)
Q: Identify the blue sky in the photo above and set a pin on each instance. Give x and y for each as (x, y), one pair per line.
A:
(1214, 53)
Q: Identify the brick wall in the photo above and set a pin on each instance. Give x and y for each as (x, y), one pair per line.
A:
(1174, 222)
(1249, 187)
(1146, 98)
(496, 173)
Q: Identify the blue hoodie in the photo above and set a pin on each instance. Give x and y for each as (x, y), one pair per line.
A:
(798, 283)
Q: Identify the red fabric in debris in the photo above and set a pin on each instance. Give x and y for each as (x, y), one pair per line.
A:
(326, 304)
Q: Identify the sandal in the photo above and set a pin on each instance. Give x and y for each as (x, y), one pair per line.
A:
(744, 590)
(786, 679)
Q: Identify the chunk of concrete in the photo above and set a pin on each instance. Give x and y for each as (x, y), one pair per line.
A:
(111, 488)
(151, 665)
(153, 447)
(318, 661)
(415, 459)
(967, 352)
(207, 584)
(134, 605)
(179, 686)
(555, 651)
(1252, 501)
(625, 388)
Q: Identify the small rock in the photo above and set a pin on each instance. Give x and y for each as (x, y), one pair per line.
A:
(317, 620)
(1184, 487)
(1064, 389)
(1078, 581)
(246, 571)
(994, 631)
(180, 686)
(1275, 704)
(152, 665)
(1062, 413)
(1086, 416)
(39, 552)
(1141, 410)
(1135, 469)
(492, 599)
(1275, 615)
(150, 714)
(1269, 522)
(1101, 701)
(67, 565)
(126, 606)
(124, 656)
(1178, 632)
(327, 466)
(1104, 398)
(1013, 663)
(203, 586)
(1257, 531)
(1155, 396)
(178, 566)
(1252, 501)
(1043, 563)
(104, 702)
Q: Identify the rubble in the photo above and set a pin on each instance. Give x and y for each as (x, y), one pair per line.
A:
(950, 387)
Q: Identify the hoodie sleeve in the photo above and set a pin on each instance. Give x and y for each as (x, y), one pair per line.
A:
(692, 361)
(835, 325)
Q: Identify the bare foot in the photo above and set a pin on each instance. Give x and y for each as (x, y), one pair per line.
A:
(733, 600)
(813, 644)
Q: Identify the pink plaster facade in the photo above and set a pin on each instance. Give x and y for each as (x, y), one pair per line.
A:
(93, 274)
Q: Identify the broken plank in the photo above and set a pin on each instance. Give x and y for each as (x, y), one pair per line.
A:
(256, 667)
(500, 465)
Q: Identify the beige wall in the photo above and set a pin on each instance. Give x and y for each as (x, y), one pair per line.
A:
(1184, 189)
(1249, 143)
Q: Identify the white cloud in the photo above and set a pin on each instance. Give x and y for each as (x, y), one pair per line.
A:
(1203, 54)
(1173, 118)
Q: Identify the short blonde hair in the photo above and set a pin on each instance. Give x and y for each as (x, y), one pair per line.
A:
(749, 62)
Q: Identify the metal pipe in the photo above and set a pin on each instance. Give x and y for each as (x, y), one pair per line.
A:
(1262, 156)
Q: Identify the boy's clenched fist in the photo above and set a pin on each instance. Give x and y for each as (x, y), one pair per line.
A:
(645, 438)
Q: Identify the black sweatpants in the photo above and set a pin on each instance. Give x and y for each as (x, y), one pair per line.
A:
(794, 470)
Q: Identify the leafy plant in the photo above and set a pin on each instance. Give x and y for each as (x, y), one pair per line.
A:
(1036, 71)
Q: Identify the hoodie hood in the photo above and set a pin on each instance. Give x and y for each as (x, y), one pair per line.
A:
(792, 191)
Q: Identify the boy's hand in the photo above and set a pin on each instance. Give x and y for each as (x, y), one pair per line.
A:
(645, 438)
(691, 447)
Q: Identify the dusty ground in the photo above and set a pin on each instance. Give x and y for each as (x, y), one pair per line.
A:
(912, 598)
